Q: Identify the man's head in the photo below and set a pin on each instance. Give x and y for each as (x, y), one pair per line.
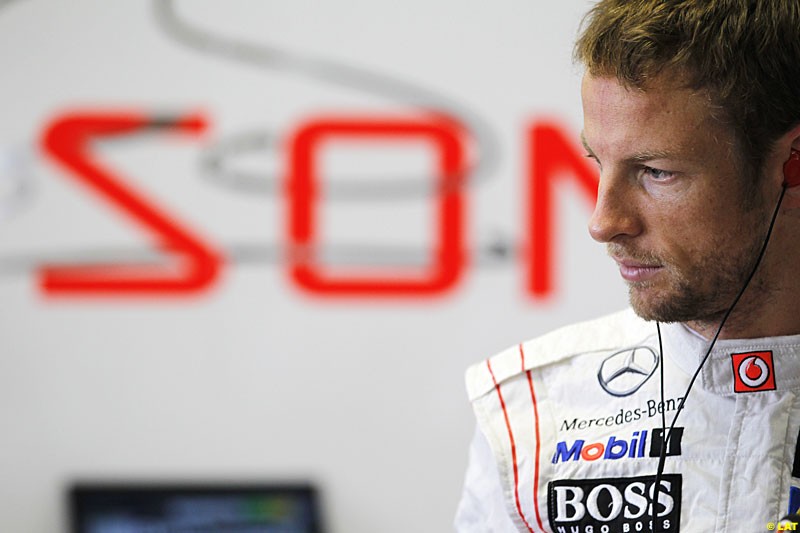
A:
(689, 109)
(743, 54)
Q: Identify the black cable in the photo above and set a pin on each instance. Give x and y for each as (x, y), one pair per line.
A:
(662, 456)
(662, 452)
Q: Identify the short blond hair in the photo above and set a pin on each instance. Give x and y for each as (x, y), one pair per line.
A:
(745, 54)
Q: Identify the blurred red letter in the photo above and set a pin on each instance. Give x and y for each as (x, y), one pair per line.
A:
(446, 267)
(68, 141)
(552, 158)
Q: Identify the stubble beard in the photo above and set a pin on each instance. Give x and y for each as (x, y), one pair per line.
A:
(702, 293)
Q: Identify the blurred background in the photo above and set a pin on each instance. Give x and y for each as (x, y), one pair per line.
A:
(258, 243)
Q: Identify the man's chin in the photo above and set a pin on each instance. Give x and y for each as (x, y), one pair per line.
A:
(666, 308)
(653, 306)
(647, 313)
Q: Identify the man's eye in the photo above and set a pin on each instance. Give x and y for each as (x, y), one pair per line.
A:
(657, 174)
(593, 158)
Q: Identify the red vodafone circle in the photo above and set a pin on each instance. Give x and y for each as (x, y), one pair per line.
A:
(753, 371)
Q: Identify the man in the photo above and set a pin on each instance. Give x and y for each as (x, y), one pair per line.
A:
(692, 113)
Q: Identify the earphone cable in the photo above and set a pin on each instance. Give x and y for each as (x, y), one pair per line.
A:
(666, 434)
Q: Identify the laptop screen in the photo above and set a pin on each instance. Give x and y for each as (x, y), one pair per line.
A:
(139, 508)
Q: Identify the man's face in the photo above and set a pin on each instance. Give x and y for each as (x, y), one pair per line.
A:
(677, 214)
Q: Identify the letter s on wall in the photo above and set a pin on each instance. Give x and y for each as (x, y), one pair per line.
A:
(68, 141)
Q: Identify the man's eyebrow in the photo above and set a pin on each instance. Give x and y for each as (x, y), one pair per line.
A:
(649, 155)
(638, 157)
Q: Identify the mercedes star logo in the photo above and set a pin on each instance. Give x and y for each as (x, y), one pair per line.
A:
(624, 372)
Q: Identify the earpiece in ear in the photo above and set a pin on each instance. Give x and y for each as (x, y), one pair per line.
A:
(791, 170)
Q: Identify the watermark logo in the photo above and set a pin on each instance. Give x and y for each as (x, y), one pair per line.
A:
(783, 525)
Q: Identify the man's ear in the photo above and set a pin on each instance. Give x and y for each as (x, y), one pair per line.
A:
(786, 161)
(791, 169)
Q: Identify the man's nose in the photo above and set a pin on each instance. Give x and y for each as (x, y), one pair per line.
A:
(615, 214)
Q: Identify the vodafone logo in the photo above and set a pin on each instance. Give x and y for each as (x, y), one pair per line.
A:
(753, 371)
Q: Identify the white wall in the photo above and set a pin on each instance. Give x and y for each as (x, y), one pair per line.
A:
(256, 377)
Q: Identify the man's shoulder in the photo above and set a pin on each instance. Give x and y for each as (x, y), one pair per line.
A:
(560, 345)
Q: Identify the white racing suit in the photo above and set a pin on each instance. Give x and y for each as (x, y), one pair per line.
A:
(569, 432)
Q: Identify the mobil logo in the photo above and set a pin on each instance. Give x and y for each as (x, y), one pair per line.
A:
(613, 448)
(617, 448)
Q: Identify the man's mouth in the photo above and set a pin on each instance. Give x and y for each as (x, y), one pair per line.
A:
(634, 271)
